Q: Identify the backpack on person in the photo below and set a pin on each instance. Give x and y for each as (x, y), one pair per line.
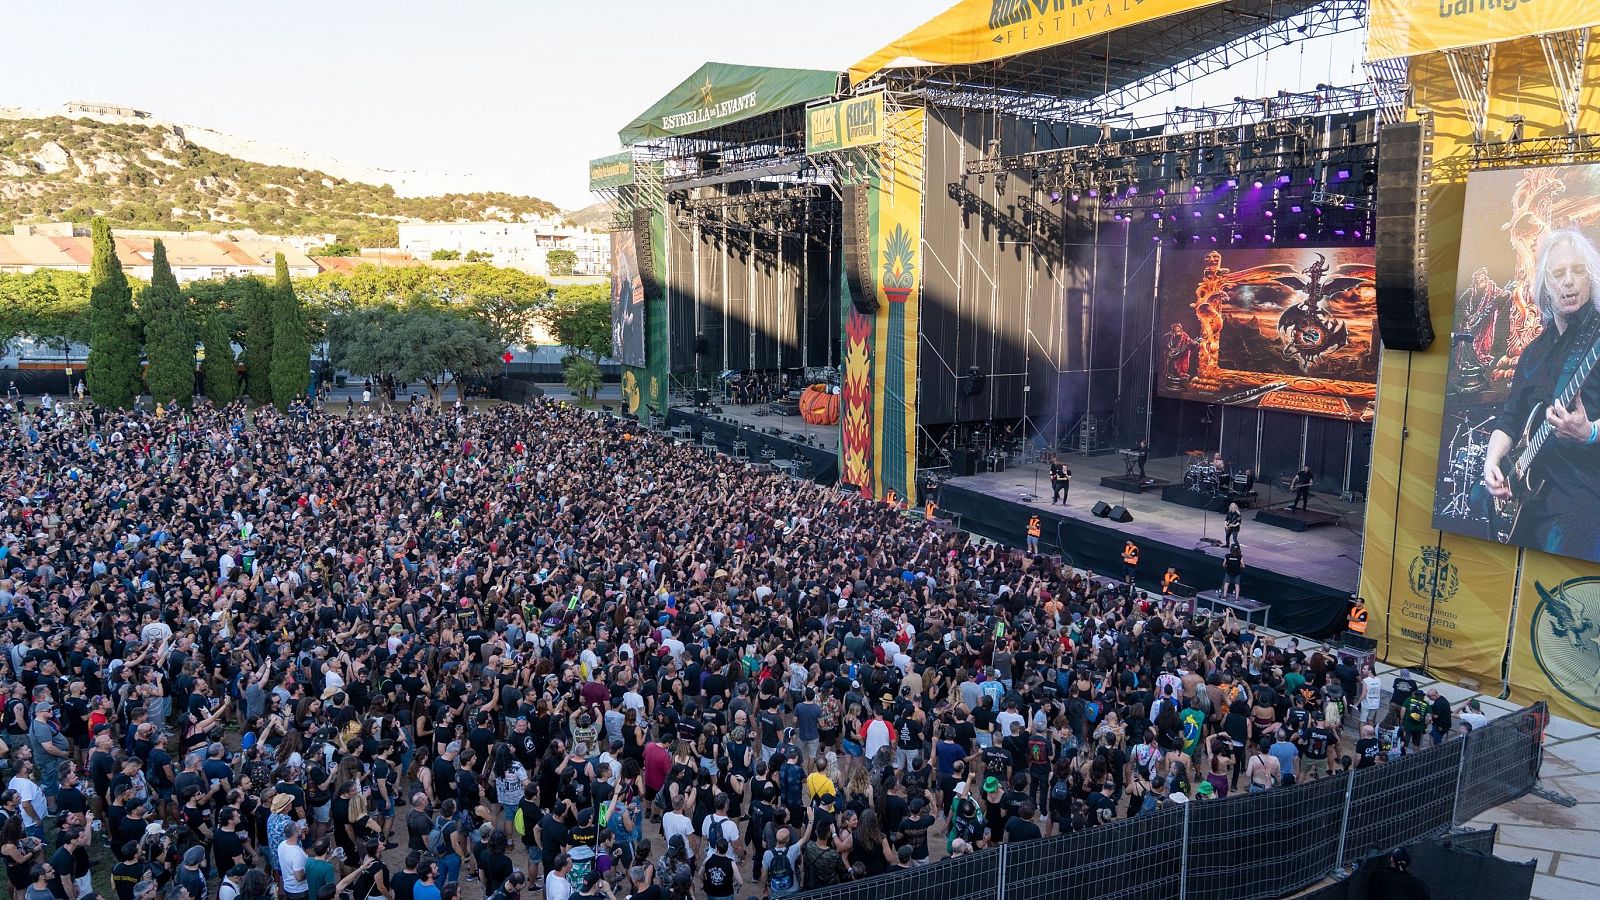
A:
(436, 837)
(780, 874)
(1416, 715)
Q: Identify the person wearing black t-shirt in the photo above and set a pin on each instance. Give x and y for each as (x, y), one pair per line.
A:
(1317, 742)
(1368, 748)
(1024, 825)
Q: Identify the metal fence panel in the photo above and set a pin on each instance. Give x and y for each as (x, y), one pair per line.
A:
(1134, 859)
(975, 876)
(1500, 762)
(1403, 800)
(1265, 844)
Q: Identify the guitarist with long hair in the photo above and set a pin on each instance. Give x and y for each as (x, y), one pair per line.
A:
(1544, 455)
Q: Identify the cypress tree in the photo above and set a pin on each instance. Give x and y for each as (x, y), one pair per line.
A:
(220, 370)
(112, 375)
(291, 352)
(169, 334)
(255, 315)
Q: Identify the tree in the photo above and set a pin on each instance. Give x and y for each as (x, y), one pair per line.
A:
(446, 254)
(291, 351)
(582, 378)
(582, 325)
(220, 369)
(49, 305)
(478, 256)
(113, 372)
(561, 262)
(169, 333)
(421, 340)
(252, 315)
(335, 249)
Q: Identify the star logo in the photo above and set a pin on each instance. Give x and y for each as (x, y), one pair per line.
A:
(706, 92)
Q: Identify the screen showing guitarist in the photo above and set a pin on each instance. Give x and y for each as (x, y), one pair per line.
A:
(1543, 459)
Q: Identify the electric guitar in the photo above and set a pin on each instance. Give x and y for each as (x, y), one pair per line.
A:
(1524, 479)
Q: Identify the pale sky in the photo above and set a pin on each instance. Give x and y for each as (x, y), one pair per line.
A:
(522, 92)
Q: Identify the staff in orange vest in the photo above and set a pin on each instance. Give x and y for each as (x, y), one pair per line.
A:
(1033, 534)
(930, 511)
(1130, 561)
(1169, 579)
(1358, 619)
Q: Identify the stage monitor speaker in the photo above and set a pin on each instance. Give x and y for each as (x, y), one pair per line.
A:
(702, 397)
(1401, 248)
(964, 461)
(1101, 509)
(1120, 513)
(858, 250)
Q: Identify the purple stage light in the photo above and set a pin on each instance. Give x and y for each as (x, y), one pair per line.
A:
(1196, 237)
(1133, 189)
(1094, 192)
(1074, 197)
(1118, 217)
(1055, 196)
(1213, 239)
(1267, 213)
(1161, 192)
(1197, 214)
(1156, 238)
(1301, 235)
(1284, 179)
(1155, 215)
(1295, 208)
(1358, 234)
(1222, 216)
(1266, 237)
(1343, 174)
(1197, 189)
(1338, 232)
(1256, 184)
(1233, 182)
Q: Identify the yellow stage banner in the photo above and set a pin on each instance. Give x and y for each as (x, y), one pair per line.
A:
(1411, 27)
(1555, 650)
(857, 122)
(975, 31)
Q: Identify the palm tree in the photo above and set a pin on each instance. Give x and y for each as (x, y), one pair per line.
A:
(582, 378)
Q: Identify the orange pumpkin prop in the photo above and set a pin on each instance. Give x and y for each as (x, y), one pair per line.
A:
(819, 405)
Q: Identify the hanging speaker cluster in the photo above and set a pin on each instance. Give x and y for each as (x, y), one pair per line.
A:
(1401, 250)
(858, 250)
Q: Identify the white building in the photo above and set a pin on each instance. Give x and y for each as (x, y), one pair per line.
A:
(514, 245)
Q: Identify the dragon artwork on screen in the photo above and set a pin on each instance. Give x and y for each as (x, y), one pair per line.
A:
(1283, 328)
(1521, 436)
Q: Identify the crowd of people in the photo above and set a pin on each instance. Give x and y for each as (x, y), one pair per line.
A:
(531, 650)
(756, 387)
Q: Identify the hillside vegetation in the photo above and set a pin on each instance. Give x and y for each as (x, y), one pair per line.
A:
(138, 176)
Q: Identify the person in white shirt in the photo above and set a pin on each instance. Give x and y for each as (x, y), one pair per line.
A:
(292, 862)
(1371, 697)
(30, 797)
(676, 822)
(877, 734)
(1471, 715)
(556, 885)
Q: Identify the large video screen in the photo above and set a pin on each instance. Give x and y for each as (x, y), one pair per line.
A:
(1287, 328)
(1519, 459)
(627, 301)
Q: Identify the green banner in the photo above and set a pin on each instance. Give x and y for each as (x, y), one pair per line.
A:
(612, 171)
(718, 93)
(857, 122)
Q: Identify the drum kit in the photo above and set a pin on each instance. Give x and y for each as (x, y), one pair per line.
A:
(1203, 476)
(1463, 471)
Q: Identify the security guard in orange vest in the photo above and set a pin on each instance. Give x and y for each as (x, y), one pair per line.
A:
(891, 498)
(1033, 534)
(1130, 561)
(1357, 623)
(1168, 579)
(930, 511)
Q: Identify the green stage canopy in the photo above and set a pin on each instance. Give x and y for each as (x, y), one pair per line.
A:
(719, 93)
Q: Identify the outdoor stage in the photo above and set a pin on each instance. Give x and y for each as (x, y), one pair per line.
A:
(796, 439)
(1306, 577)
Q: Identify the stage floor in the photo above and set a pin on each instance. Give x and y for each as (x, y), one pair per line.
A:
(1327, 556)
(824, 436)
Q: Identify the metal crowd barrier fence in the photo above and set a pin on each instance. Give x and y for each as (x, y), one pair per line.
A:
(1247, 846)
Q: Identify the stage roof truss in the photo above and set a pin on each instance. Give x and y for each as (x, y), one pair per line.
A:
(1564, 53)
(1100, 78)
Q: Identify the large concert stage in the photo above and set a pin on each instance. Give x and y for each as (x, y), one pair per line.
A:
(1306, 578)
(816, 445)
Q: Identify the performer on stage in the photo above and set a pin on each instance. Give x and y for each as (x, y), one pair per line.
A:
(1562, 518)
(1060, 481)
(1130, 561)
(1144, 456)
(1033, 534)
(1180, 350)
(1232, 568)
(1302, 487)
(1231, 525)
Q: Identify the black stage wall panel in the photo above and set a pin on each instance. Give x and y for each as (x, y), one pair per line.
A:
(736, 298)
(821, 312)
(765, 315)
(680, 296)
(709, 296)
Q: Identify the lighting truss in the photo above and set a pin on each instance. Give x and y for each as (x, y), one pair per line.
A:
(1325, 19)
(1568, 149)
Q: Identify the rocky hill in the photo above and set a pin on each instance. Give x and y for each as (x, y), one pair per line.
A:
(149, 176)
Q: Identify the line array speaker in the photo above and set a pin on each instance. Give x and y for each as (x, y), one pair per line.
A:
(858, 250)
(1401, 250)
(644, 250)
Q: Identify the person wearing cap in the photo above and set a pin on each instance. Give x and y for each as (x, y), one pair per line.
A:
(191, 873)
(232, 881)
(1471, 715)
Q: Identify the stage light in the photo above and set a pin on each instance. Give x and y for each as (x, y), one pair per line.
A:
(1342, 175)
(1198, 187)
(1161, 192)
(1266, 237)
(1117, 217)
(1055, 196)
(1133, 189)
(1233, 182)
(1296, 208)
(1338, 232)
(1220, 216)
(1213, 239)
(1196, 238)
(1267, 213)
(1155, 215)
(1358, 234)
(1156, 238)
(1094, 192)
(1197, 214)
(1285, 176)
(1301, 235)
(1074, 196)
(1256, 184)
